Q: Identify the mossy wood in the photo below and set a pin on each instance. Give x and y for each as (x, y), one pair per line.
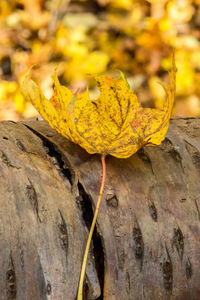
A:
(147, 241)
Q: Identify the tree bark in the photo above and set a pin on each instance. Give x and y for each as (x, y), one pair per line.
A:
(146, 243)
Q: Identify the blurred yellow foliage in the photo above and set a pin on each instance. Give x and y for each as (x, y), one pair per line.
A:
(10, 91)
(100, 36)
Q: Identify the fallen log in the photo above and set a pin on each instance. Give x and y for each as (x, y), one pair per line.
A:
(146, 243)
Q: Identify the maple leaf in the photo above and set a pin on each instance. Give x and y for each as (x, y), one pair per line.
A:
(114, 124)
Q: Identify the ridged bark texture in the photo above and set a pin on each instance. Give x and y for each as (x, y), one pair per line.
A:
(146, 244)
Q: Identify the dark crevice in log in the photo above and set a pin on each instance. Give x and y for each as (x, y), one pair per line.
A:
(84, 203)
(48, 288)
(128, 283)
(59, 161)
(188, 269)
(176, 156)
(195, 155)
(86, 291)
(170, 148)
(20, 146)
(11, 280)
(4, 159)
(63, 234)
(168, 273)
(32, 196)
(185, 118)
(153, 211)
(5, 138)
(146, 159)
(178, 241)
(182, 200)
(138, 244)
(112, 200)
(21, 254)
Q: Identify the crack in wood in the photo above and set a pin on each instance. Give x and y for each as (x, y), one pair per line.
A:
(173, 152)
(153, 211)
(194, 153)
(4, 159)
(58, 160)
(168, 273)
(32, 196)
(188, 269)
(178, 241)
(146, 159)
(84, 203)
(48, 288)
(182, 200)
(11, 280)
(138, 244)
(63, 234)
(112, 200)
(20, 146)
(128, 283)
(177, 157)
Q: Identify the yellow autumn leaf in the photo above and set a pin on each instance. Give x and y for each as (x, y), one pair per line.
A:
(114, 124)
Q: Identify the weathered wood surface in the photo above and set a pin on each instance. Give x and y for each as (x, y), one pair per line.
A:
(147, 242)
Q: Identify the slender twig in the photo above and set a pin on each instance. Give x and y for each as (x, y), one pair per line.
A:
(81, 281)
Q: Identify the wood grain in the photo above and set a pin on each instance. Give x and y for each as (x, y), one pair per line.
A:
(146, 244)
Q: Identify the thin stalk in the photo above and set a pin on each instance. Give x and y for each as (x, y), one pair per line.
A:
(87, 248)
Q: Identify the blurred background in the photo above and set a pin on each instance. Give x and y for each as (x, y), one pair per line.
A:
(100, 36)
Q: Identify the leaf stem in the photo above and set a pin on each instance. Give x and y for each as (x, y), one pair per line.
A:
(80, 288)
